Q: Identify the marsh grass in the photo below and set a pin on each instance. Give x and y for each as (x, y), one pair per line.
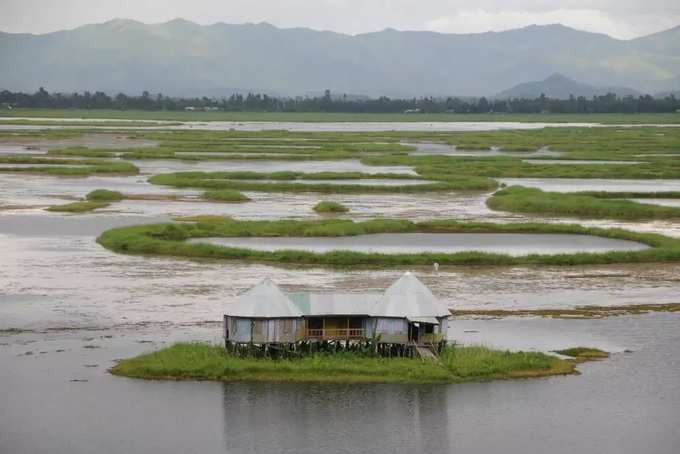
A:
(196, 361)
(78, 207)
(583, 353)
(326, 206)
(105, 195)
(85, 166)
(143, 240)
(287, 182)
(518, 199)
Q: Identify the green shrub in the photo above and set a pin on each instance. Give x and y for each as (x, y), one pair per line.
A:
(105, 195)
(327, 206)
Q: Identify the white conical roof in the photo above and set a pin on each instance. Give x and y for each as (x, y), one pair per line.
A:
(410, 298)
(264, 300)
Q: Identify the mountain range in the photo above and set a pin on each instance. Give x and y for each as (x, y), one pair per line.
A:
(187, 59)
(558, 86)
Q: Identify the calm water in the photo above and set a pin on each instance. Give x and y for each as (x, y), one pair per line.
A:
(320, 126)
(255, 165)
(627, 404)
(442, 149)
(593, 184)
(404, 243)
(664, 202)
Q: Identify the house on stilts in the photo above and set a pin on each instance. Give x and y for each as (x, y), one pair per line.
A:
(402, 320)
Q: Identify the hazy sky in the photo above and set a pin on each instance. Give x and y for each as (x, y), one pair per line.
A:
(618, 18)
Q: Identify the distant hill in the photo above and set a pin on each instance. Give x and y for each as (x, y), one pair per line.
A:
(560, 87)
(183, 58)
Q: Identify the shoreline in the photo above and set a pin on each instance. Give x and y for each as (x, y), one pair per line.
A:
(204, 362)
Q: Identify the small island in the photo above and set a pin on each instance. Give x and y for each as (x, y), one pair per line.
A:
(396, 336)
(196, 361)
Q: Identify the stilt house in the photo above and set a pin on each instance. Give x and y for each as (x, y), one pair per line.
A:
(406, 313)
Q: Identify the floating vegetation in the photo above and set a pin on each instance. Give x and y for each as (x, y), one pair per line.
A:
(143, 240)
(326, 206)
(518, 199)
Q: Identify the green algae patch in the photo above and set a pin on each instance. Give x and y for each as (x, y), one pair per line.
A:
(196, 361)
(326, 206)
(105, 195)
(582, 354)
(78, 207)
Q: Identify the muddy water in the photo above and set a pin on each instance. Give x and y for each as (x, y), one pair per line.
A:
(51, 262)
(347, 165)
(266, 206)
(515, 244)
(39, 191)
(351, 182)
(63, 401)
(40, 146)
(593, 184)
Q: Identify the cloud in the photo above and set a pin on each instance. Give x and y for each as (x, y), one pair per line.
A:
(480, 20)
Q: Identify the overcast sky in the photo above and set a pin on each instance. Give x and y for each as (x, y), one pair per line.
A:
(618, 18)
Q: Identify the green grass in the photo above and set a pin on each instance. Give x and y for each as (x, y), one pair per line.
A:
(81, 151)
(583, 353)
(150, 239)
(342, 117)
(458, 364)
(225, 195)
(518, 199)
(326, 206)
(99, 198)
(85, 167)
(105, 195)
(289, 182)
(78, 207)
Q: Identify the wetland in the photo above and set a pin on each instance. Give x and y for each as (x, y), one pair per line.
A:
(70, 309)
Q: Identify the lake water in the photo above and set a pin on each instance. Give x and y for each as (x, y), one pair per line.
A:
(312, 126)
(442, 149)
(515, 244)
(153, 167)
(627, 404)
(593, 184)
(664, 202)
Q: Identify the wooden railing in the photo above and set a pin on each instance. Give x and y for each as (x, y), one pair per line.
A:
(431, 338)
(334, 333)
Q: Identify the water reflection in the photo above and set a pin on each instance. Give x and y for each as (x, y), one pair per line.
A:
(260, 418)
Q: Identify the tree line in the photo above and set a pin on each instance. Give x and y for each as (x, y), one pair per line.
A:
(609, 103)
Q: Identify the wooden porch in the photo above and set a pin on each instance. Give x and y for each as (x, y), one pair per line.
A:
(333, 334)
